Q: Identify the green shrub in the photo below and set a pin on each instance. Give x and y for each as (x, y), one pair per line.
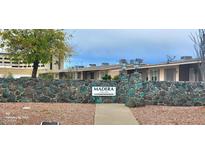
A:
(116, 77)
(106, 77)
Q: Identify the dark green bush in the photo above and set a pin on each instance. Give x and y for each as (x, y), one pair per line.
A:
(106, 77)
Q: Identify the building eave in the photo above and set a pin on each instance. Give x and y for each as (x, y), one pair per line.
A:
(170, 64)
(129, 66)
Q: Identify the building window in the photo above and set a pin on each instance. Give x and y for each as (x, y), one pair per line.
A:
(79, 75)
(170, 74)
(92, 75)
(154, 74)
(51, 66)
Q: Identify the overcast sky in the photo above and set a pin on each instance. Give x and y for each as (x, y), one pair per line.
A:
(97, 46)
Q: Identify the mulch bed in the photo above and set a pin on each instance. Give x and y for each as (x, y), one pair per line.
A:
(35, 113)
(169, 115)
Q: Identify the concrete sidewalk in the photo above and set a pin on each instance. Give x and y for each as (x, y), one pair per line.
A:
(114, 114)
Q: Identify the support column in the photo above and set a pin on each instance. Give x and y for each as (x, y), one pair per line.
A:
(177, 73)
(161, 74)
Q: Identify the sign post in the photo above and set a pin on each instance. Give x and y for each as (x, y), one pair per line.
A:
(103, 91)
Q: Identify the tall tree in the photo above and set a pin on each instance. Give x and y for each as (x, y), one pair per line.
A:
(34, 46)
(199, 46)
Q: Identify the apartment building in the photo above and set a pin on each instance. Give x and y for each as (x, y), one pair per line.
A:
(185, 69)
(90, 73)
(19, 69)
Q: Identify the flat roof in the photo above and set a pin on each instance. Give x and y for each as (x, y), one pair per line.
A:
(93, 68)
(131, 67)
(180, 62)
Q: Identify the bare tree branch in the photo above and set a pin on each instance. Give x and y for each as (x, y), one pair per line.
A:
(199, 47)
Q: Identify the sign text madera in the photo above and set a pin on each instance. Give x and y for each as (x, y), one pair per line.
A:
(103, 91)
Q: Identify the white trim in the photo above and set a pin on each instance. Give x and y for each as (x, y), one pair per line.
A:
(171, 64)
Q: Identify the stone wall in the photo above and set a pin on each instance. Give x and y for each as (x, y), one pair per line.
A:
(38, 90)
(165, 93)
(130, 90)
(174, 93)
